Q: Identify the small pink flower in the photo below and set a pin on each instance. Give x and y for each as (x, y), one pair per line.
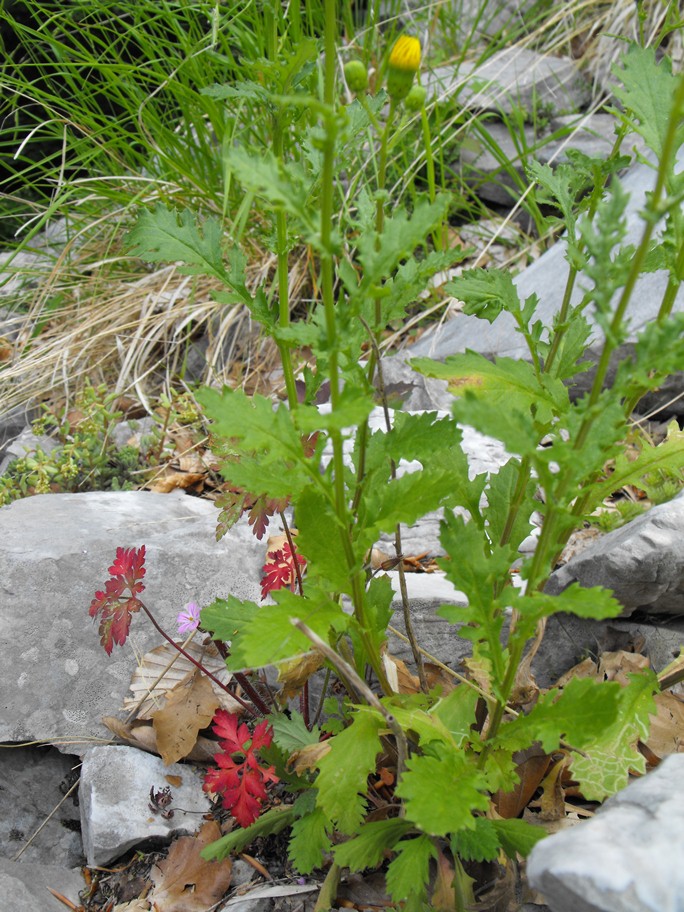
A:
(188, 619)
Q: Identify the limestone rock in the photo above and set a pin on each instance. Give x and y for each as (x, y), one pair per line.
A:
(546, 277)
(25, 887)
(33, 783)
(628, 858)
(514, 78)
(114, 797)
(642, 563)
(56, 680)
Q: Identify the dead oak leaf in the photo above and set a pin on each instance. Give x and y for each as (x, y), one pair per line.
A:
(189, 707)
(184, 881)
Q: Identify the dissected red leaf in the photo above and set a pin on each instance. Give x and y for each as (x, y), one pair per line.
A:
(280, 573)
(240, 778)
(112, 604)
(184, 881)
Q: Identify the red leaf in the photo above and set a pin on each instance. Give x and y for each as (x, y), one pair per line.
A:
(114, 608)
(239, 779)
(281, 572)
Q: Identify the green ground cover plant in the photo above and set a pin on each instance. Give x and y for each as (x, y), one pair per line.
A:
(451, 755)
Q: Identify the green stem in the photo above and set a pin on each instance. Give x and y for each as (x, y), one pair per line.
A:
(439, 236)
(327, 293)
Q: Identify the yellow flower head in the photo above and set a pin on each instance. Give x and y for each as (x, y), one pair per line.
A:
(404, 63)
(405, 54)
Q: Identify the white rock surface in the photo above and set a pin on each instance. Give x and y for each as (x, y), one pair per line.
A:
(628, 858)
(115, 796)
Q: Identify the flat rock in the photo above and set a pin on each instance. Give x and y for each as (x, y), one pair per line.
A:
(56, 680)
(642, 563)
(514, 79)
(546, 277)
(114, 795)
(26, 887)
(33, 784)
(627, 858)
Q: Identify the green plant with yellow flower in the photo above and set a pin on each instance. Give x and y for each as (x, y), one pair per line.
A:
(395, 776)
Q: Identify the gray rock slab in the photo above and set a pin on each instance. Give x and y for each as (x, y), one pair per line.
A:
(593, 135)
(569, 639)
(546, 277)
(627, 858)
(642, 563)
(56, 680)
(25, 887)
(514, 78)
(114, 795)
(33, 784)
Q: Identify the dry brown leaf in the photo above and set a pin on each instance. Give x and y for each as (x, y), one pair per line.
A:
(189, 708)
(667, 727)
(170, 480)
(436, 676)
(399, 677)
(184, 881)
(294, 673)
(444, 894)
(531, 768)
(587, 668)
(175, 781)
(615, 666)
(308, 757)
(143, 736)
(164, 668)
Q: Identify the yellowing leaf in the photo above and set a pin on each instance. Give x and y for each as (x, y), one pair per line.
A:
(294, 673)
(184, 881)
(189, 707)
(308, 757)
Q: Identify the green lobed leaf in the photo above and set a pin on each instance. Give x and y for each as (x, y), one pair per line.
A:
(343, 772)
(505, 382)
(578, 715)
(517, 837)
(501, 493)
(594, 602)
(270, 636)
(409, 873)
(381, 255)
(479, 844)
(225, 617)
(165, 236)
(667, 456)
(441, 795)
(366, 850)
(647, 93)
(290, 733)
(485, 293)
(456, 711)
(611, 756)
(309, 841)
(318, 527)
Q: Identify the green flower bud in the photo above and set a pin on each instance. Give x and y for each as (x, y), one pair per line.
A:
(415, 100)
(356, 75)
